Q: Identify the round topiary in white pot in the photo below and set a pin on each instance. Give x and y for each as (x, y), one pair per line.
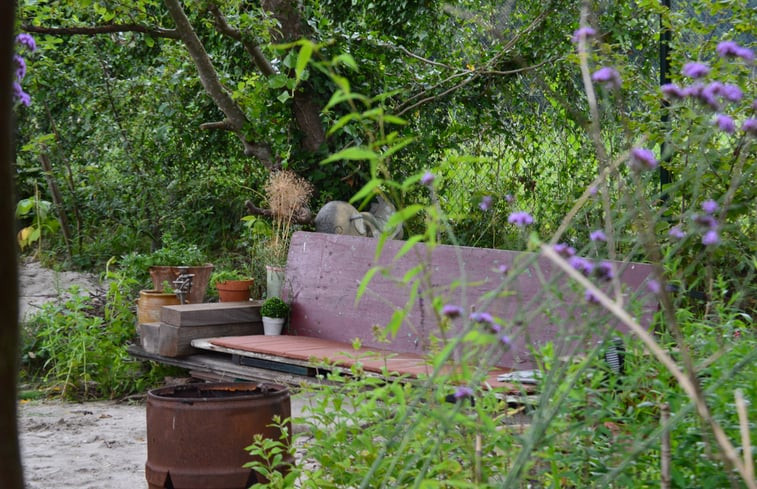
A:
(274, 312)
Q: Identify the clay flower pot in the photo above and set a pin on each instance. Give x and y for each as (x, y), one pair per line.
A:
(234, 290)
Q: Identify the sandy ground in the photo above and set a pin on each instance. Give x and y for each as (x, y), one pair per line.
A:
(80, 445)
(89, 445)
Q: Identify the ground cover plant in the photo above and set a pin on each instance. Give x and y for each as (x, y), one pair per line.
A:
(680, 415)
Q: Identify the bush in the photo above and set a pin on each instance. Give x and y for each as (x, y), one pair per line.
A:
(274, 307)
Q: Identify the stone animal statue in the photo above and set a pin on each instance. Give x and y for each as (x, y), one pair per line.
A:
(338, 217)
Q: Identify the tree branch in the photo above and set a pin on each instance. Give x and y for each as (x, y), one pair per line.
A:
(301, 216)
(252, 48)
(235, 118)
(223, 125)
(102, 29)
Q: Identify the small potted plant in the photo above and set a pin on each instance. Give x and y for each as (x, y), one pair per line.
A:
(232, 285)
(274, 311)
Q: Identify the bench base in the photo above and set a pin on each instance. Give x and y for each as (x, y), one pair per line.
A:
(314, 356)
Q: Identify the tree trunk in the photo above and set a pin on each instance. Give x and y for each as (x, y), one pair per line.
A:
(304, 107)
(11, 476)
(57, 201)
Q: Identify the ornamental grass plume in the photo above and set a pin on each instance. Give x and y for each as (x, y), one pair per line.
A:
(287, 194)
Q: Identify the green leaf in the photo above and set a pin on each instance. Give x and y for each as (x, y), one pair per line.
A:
(283, 97)
(395, 322)
(412, 273)
(366, 190)
(365, 281)
(353, 153)
(390, 119)
(342, 122)
(303, 57)
(411, 241)
(403, 215)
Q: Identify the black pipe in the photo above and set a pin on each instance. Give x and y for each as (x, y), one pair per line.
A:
(665, 38)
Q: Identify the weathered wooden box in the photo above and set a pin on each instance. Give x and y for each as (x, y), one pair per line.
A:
(180, 324)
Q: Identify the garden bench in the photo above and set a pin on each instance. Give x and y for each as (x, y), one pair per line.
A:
(324, 273)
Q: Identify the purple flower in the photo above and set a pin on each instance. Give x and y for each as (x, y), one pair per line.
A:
(597, 235)
(605, 271)
(707, 95)
(709, 206)
(727, 48)
(564, 250)
(733, 50)
(505, 340)
(486, 203)
(462, 392)
(590, 297)
(26, 40)
(482, 317)
(750, 126)
(581, 264)
(520, 219)
(710, 238)
(22, 96)
(672, 90)
(593, 190)
(608, 76)
(725, 123)
(583, 33)
(642, 159)
(732, 93)
(654, 286)
(509, 198)
(502, 269)
(20, 67)
(428, 178)
(706, 221)
(746, 54)
(695, 70)
(676, 232)
(452, 311)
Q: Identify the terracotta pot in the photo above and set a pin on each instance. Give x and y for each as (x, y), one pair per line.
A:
(234, 290)
(150, 302)
(160, 274)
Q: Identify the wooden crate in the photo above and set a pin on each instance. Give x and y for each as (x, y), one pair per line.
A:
(180, 324)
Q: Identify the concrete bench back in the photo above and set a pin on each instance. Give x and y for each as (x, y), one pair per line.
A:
(324, 272)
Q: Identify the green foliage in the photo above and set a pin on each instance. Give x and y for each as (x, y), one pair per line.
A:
(274, 307)
(173, 253)
(42, 221)
(78, 348)
(221, 276)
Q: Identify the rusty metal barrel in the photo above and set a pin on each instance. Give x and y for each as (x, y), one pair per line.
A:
(197, 433)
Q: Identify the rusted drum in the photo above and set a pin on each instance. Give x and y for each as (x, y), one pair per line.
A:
(197, 433)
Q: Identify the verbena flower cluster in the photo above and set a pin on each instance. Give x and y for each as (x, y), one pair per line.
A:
(26, 41)
(714, 95)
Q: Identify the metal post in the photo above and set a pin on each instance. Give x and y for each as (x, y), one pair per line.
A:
(665, 37)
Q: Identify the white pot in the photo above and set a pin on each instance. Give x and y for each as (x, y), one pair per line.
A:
(272, 326)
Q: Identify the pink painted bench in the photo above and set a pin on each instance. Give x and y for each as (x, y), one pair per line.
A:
(324, 273)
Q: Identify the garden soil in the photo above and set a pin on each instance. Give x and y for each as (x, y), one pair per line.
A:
(80, 445)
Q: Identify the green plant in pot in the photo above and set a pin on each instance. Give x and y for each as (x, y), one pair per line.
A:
(168, 263)
(274, 312)
(232, 285)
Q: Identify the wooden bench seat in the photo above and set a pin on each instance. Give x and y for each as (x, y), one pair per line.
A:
(324, 273)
